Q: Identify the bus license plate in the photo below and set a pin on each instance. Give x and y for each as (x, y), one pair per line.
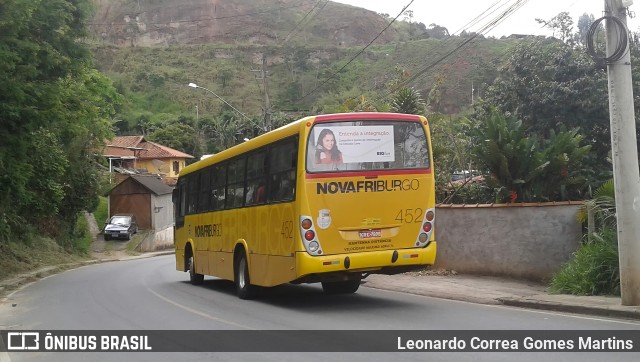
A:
(374, 233)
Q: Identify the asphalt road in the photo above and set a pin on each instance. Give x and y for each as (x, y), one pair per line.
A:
(149, 294)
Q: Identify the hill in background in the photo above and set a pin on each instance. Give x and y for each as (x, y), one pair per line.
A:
(316, 56)
(257, 22)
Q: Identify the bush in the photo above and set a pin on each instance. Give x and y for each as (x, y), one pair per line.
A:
(81, 238)
(594, 270)
(101, 214)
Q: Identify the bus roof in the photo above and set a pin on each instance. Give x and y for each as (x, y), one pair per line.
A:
(290, 130)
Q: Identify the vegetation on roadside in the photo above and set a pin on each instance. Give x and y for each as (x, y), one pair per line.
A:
(595, 269)
(17, 257)
(81, 238)
(55, 112)
(101, 213)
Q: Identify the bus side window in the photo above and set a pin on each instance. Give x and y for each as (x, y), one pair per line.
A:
(235, 183)
(203, 201)
(218, 186)
(192, 186)
(256, 182)
(282, 171)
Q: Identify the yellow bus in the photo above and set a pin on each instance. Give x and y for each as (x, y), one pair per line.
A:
(330, 198)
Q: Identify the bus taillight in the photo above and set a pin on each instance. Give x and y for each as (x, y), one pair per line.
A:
(314, 246)
(430, 215)
(422, 239)
(308, 233)
(424, 236)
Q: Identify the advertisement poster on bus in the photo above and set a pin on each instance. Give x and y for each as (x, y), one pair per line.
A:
(351, 144)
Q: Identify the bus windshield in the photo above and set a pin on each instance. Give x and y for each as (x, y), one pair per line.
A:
(366, 145)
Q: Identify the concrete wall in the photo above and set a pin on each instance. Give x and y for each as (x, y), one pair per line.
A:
(162, 211)
(157, 240)
(529, 241)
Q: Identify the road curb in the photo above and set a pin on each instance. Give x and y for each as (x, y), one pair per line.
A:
(620, 312)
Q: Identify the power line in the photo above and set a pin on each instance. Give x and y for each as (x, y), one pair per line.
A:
(450, 40)
(355, 56)
(286, 38)
(486, 28)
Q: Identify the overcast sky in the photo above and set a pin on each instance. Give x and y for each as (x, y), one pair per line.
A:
(456, 15)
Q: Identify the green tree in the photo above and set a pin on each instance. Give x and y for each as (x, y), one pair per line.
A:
(55, 113)
(177, 135)
(408, 100)
(549, 85)
(522, 167)
(584, 23)
(562, 26)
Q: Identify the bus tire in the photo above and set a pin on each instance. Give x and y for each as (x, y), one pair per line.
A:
(194, 278)
(343, 287)
(244, 289)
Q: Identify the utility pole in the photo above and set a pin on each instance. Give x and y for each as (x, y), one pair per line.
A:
(265, 86)
(626, 174)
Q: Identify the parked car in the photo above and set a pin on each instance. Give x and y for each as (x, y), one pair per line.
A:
(121, 226)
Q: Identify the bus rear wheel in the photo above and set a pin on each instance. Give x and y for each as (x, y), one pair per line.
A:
(194, 277)
(342, 287)
(244, 289)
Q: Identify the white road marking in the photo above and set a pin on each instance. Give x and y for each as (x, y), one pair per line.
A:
(202, 314)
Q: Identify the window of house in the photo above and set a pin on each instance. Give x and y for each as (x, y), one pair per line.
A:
(176, 167)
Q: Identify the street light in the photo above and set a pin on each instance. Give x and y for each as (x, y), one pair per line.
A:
(193, 85)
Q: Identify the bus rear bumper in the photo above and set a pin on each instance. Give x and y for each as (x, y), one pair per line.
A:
(316, 268)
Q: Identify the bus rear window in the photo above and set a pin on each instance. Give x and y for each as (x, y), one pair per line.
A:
(367, 145)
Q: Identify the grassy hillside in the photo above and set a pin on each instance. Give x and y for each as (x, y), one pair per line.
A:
(316, 51)
(154, 79)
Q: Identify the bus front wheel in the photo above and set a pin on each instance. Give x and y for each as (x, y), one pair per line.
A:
(194, 277)
(342, 287)
(244, 288)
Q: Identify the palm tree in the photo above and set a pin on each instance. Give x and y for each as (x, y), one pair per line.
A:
(408, 100)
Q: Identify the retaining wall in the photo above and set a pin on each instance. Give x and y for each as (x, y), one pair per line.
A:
(529, 241)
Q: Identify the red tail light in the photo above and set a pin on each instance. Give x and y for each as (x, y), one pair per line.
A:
(426, 227)
(309, 235)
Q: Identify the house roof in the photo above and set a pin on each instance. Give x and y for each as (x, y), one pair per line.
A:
(138, 146)
(126, 141)
(153, 150)
(153, 184)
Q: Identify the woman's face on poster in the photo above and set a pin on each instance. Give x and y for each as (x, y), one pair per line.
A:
(328, 141)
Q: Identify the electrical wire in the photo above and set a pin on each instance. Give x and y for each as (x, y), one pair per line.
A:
(621, 48)
(355, 56)
(286, 38)
(484, 29)
(493, 8)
